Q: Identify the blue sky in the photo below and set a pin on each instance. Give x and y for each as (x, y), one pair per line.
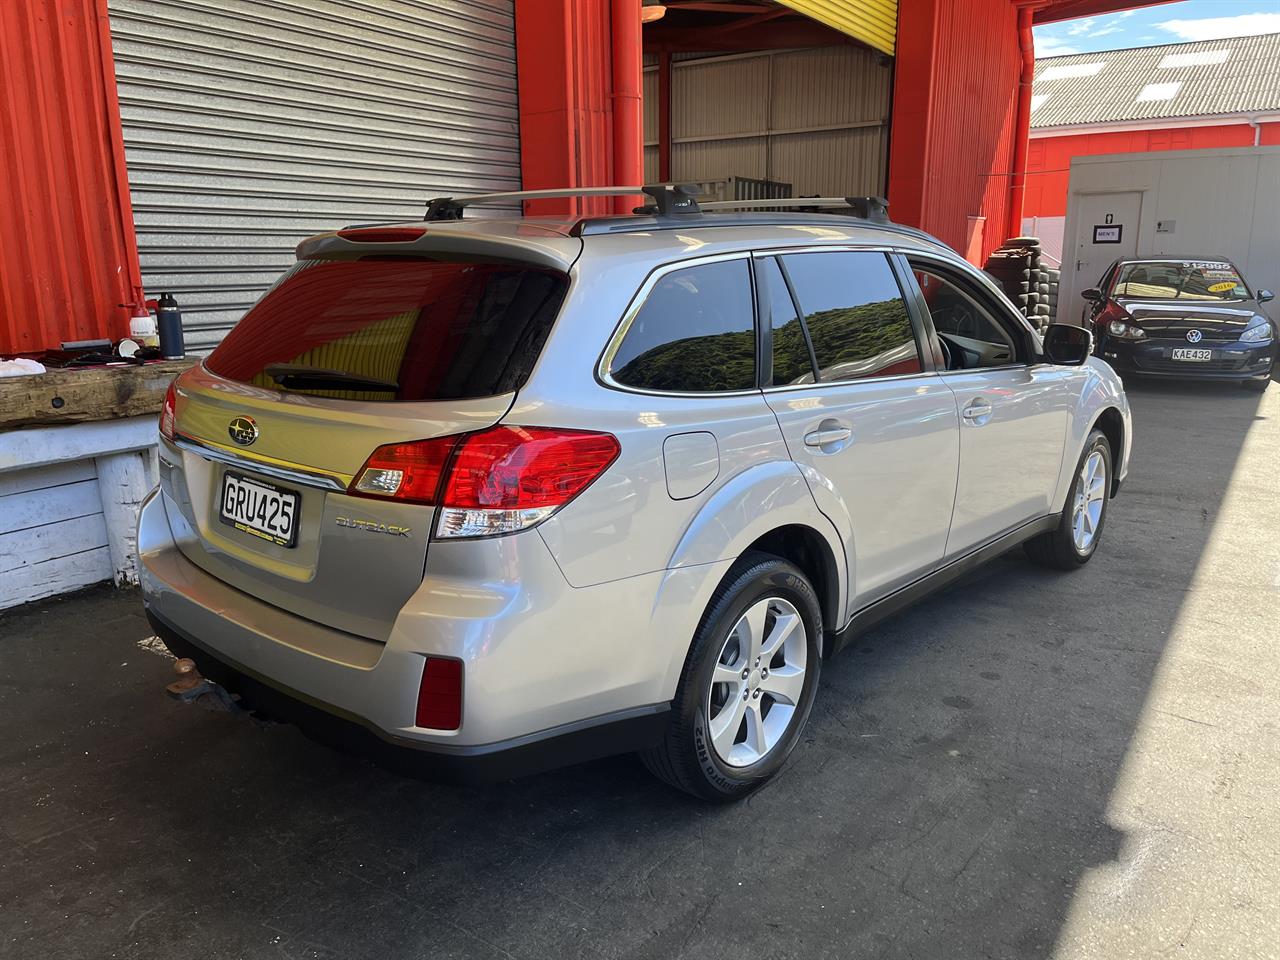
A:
(1163, 23)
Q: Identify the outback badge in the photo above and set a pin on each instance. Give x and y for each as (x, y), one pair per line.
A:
(243, 430)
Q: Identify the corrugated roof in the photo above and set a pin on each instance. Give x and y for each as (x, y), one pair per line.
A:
(1205, 78)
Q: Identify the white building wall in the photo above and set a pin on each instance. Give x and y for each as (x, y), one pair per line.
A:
(1221, 203)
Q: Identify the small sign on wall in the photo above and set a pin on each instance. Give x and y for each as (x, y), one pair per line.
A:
(1107, 233)
(1165, 226)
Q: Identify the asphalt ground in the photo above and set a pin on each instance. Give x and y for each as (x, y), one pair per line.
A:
(1027, 765)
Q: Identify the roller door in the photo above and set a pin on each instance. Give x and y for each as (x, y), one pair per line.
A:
(250, 124)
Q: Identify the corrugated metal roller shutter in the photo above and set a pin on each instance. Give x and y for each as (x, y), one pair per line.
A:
(874, 22)
(250, 124)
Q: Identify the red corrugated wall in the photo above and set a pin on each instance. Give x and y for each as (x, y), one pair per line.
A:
(956, 80)
(1049, 160)
(67, 252)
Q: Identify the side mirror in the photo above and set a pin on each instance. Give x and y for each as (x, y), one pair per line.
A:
(1067, 345)
(1265, 295)
(1093, 295)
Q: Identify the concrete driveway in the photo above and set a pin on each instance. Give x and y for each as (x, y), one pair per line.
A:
(1028, 765)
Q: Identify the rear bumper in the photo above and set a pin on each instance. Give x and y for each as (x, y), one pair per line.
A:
(626, 731)
(552, 674)
(1231, 361)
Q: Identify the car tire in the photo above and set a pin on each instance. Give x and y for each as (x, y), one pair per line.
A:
(718, 765)
(1066, 547)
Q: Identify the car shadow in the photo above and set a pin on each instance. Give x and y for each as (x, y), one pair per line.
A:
(949, 796)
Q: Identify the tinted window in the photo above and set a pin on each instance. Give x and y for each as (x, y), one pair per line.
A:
(854, 313)
(394, 330)
(695, 333)
(970, 333)
(791, 360)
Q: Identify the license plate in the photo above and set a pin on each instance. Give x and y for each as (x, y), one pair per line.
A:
(259, 509)
(1184, 353)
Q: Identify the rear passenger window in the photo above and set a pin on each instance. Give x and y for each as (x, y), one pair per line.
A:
(856, 317)
(791, 361)
(695, 333)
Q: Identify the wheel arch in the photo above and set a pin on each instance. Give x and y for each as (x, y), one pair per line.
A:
(808, 550)
(1111, 422)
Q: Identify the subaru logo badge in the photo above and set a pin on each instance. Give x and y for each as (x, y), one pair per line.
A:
(243, 430)
(1194, 336)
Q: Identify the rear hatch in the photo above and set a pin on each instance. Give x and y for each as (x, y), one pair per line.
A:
(342, 357)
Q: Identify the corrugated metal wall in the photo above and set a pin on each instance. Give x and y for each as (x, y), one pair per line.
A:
(954, 118)
(249, 124)
(817, 119)
(66, 262)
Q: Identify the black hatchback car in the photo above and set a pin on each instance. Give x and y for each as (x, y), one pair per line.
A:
(1182, 318)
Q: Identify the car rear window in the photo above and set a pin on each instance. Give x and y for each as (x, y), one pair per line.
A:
(395, 329)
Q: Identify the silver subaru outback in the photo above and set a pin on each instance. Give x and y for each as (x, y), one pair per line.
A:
(481, 497)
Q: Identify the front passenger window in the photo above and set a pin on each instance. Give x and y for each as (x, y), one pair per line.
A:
(971, 336)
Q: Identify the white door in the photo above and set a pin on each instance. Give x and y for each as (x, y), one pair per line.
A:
(1106, 229)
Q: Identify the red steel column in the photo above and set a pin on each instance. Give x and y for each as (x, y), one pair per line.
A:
(566, 130)
(628, 115)
(664, 117)
(1022, 122)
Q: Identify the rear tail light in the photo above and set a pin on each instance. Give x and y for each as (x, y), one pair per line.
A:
(497, 481)
(168, 413)
(440, 694)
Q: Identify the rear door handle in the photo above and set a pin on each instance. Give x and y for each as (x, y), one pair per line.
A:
(826, 435)
(977, 412)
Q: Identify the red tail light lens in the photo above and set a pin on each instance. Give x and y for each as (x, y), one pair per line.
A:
(522, 468)
(440, 694)
(168, 413)
(496, 481)
(406, 471)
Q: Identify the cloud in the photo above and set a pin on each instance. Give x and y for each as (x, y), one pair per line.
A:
(1217, 28)
(1082, 27)
(1053, 47)
(1127, 13)
(1104, 31)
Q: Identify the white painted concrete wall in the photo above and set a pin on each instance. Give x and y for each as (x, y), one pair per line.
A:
(69, 500)
(1223, 203)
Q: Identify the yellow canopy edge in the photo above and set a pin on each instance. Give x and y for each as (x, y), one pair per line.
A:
(874, 22)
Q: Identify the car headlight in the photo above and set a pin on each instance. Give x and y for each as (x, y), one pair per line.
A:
(1260, 333)
(1118, 328)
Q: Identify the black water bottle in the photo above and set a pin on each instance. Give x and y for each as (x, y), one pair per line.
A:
(169, 320)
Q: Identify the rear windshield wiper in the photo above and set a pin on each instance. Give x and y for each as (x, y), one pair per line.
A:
(300, 377)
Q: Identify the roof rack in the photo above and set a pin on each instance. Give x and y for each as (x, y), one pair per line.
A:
(450, 208)
(868, 208)
(668, 204)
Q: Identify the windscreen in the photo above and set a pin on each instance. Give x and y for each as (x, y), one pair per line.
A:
(1180, 280)
(394, 329)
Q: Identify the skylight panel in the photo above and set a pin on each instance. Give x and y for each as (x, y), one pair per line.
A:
(1200, 59)
(1091, 69)
(1037, 101)
(1159, 91)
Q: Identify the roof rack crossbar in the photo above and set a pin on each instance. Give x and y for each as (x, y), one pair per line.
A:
(868, 208)
(450, 208)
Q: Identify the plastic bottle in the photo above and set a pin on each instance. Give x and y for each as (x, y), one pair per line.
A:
(143, 329)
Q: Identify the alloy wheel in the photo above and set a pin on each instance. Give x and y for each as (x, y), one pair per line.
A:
(1090, 496)
(757, 682)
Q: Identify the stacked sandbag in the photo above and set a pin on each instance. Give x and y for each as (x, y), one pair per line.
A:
(1032, 285)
